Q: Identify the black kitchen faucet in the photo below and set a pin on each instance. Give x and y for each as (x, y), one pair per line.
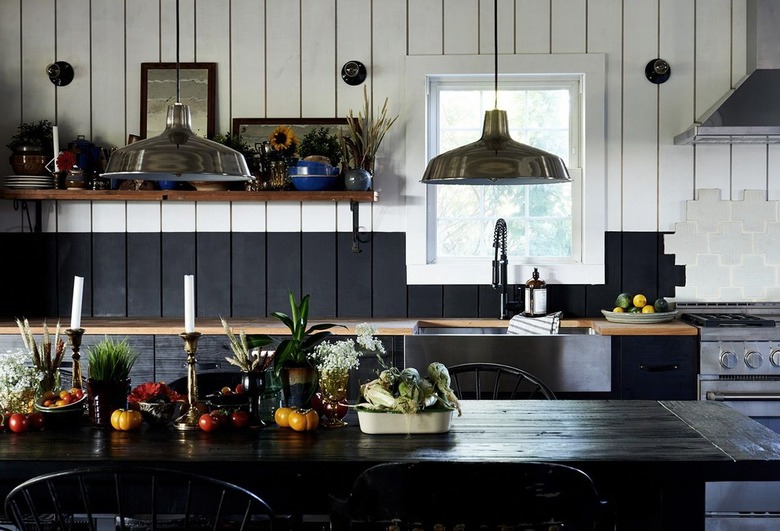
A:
(500, 262)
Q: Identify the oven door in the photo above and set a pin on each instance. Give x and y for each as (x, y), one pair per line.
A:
(748, 505)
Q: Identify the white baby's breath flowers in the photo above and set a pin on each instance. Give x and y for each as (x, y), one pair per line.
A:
(343, 354)
(18, 381)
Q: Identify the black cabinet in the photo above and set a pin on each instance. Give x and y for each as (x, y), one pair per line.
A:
(656, 367)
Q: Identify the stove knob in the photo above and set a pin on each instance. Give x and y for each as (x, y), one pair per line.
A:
(728, 359)
(753, 359)
(774, 357)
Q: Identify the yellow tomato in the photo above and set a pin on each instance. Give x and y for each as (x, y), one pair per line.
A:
(304, 419)
(126, 419)
(281, 417)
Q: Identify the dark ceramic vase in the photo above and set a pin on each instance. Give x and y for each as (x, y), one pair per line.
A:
(298, 385)
(357, 180)
(103, 397)
(254, 385)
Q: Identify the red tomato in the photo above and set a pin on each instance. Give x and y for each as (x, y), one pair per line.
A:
(18, 423)
(239, 419)
(78, 394)
(240, 389)
(208, 422)
(36, 420)
(221, 417)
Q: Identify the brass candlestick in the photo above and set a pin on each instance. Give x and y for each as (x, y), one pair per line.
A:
(74, 339)
(189, 421)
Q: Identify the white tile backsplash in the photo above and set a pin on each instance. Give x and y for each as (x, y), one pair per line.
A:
(730, 249)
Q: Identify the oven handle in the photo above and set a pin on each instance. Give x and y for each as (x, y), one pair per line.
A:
(725, 397)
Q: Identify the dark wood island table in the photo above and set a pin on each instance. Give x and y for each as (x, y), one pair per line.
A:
(649, 459)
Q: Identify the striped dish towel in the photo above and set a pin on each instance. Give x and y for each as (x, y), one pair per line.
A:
(547, 324)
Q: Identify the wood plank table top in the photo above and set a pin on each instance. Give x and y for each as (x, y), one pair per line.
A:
(672, 448)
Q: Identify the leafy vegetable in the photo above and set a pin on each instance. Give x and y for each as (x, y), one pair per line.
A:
(407, 392)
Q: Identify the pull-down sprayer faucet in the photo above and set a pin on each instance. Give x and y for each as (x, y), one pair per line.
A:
(500, 263)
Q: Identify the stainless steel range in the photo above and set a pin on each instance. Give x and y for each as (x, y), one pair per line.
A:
(739, 364)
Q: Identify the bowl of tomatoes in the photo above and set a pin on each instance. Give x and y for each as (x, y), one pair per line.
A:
(62, 407)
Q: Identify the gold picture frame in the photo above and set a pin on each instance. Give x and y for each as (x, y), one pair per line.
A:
(256, 130)
(197, 85)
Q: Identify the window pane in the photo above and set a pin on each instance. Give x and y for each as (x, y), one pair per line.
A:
(538, 216)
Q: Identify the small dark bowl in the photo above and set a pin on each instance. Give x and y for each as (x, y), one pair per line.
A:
(69, 415)
(220, 401)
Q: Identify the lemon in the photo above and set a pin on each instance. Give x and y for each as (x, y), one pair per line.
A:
(640, 300)
(618, 309)
(648, 309)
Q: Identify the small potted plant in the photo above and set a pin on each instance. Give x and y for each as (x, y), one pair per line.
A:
(320, 144)
(32, 148)
(108, 384)
(291, 360)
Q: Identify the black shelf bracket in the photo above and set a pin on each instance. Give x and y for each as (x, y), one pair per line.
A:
(354, 206)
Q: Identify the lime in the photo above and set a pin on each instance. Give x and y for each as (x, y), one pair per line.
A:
(623, 300)
(634, 309)
(661, 305)
(640, 300)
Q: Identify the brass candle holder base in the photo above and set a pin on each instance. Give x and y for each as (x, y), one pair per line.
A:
(74, 339)
(189, 421)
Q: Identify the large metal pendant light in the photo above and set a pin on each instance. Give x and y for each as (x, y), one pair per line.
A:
(496, 158)
(177, 154)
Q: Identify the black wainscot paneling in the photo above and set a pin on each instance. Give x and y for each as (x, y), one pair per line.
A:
(389, 278)
(283, 266)
(354, 277)
(212, 274)
(178, 259)
(144, 274)
(109, 274)
(318, 265)
(248, 274)
(74, 253)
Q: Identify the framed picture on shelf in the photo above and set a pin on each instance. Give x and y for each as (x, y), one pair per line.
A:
(255, 131)
(197, 87)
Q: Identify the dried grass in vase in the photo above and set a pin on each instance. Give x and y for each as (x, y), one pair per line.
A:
(44, 359)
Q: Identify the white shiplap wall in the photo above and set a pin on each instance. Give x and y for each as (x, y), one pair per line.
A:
(282, 59)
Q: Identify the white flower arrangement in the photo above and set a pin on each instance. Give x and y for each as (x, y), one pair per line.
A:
(18, 381)
(343, 354)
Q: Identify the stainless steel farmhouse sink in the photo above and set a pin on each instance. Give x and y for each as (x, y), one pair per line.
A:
(577, 360)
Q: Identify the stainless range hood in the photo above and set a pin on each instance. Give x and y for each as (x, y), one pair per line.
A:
(750, 113)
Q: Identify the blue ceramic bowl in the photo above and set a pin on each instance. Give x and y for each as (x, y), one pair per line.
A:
(320, 169)
(314, 183)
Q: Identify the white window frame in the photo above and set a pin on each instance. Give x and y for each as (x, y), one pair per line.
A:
(589, 180)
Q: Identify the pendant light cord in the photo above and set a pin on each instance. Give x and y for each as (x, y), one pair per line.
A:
(495, 52)
(178, 89)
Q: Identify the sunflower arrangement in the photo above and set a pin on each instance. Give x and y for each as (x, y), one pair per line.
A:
(284, 141)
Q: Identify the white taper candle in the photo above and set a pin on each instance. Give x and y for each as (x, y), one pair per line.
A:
(75, 311)
(55, 133)
(189, 303)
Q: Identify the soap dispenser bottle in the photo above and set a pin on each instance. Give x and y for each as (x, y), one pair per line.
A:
(535, 296)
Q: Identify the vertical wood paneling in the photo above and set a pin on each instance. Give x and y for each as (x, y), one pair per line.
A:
(178, 259)
(212, 217)
(107, 73)
(212, 273)
(568, 31)
(640, 117)
(247, 58)
(283, 263)
(73, 45)
(461, 28)
(74, 216)
(426, 27)
(713, 53)
(74, 253)
(425, 301)
(248, 269)
(187, 22)
(109, 274)
(318, 272)
(533, 26)
(142, 27)
(212, 44)
(319, 70)
(38, 49)
(506, 27)
(460, 301)
(389, 284)
(318, 217)
(353, 18)
(108, 216)
(675, 163)
(283, 60)
(144, 274)
(389, 50)
(605, 35)
(11, 72)
(354, 278)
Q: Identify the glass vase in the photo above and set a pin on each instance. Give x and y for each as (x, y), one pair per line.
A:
(333, 387)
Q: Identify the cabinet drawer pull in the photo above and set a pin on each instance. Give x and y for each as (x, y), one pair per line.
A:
(659, 368)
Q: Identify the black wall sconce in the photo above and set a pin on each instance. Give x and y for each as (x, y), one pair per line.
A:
(658, 71)
(60, 73)
(353, 73)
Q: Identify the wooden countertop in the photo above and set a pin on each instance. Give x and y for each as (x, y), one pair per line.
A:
(392, 327)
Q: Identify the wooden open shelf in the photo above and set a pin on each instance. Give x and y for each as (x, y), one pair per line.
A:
(187, 195)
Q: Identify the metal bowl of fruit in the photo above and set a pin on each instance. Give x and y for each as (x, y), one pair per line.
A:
(228, 398)
(62, 407)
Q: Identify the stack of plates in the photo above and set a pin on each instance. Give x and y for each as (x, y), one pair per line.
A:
(28, 181)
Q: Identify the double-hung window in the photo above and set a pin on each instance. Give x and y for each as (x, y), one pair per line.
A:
(555, 105)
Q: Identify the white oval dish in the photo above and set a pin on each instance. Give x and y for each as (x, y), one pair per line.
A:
(379, 422)
(639, 318)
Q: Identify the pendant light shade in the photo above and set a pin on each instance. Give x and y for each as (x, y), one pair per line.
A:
(177, 154)
(496, 158)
